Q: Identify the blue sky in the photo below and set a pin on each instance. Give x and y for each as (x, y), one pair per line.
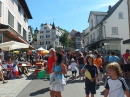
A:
(67, 14)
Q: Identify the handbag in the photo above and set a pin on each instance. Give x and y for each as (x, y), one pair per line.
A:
(53, 79)
(62, 81)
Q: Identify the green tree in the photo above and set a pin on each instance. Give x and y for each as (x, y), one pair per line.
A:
(64, 39)
(70, 43)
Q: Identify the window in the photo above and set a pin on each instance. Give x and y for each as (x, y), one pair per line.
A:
(19, 27)
(25, 17)
(47, 36)
(45, 27)
(19, 8)
(1, 38)
(120, 15)
(12, 1)
(24, 33)
(91, 23)
(47, 42)
(93, 35)
(114, 30)
(41, 43)
(42, 36)
(47, 31)
(29, 37)
(29, 40)
(0, 8)
(10, 19)
(41, 31)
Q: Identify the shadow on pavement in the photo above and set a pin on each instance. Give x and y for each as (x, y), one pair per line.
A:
(42, 91)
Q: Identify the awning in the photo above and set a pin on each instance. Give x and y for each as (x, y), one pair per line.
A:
(104, 39)
(126, 41)
(10, 32)
(2, 26)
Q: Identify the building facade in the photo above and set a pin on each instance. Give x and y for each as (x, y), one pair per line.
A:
(49, 36)
(14, 15)
(107, 30)
(78, 41)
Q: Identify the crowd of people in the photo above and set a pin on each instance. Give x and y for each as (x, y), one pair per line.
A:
(111, 67)
(92, 68)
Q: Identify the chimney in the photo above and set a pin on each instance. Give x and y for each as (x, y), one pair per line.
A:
(109, 7)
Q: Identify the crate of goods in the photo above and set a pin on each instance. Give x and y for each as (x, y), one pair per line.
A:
(42, 73)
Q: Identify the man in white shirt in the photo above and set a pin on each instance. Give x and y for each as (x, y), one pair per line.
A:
(2, 54)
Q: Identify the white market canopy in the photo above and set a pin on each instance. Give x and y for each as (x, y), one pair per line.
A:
(41, 49)
(11, 45)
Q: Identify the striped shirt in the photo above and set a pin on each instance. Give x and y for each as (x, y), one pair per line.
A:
(116, 87)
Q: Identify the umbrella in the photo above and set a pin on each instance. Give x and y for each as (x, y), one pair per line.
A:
(45, 52)
(16, 52)
(41, 49)
(11, 45)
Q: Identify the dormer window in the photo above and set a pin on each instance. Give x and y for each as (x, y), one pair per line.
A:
(45, 27)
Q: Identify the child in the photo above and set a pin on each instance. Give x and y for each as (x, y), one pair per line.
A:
(73, 68)
(90, 82)
(115, 85)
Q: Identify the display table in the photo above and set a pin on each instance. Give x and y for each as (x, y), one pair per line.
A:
(39, 66)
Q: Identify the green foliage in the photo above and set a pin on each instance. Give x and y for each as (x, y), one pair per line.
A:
(64, 39)
(70, 43)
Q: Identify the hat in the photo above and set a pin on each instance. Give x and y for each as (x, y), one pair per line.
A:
(72, 59)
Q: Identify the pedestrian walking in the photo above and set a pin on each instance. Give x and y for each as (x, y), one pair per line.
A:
(59, 70)
(73, 68)
(115, 84)
(98, 63)
(126, 65)
(90, 84)
(114, 58)
(51, 60)
(1, 72)
(80, 63)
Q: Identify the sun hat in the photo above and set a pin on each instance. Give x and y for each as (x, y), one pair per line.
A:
(72, 59)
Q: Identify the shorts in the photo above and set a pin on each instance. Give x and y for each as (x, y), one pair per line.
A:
(57, 87)
(90, 87)
(125, 67)
(80, 67)
(74, 72)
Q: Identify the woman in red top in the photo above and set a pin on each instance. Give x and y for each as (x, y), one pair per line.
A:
(51, 60)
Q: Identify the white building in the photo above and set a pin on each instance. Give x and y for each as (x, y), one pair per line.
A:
(48, 36)
(109, 29)
(30, 34)
(14, 15)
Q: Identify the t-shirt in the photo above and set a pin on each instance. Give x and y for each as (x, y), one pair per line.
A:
(114, 59)
(92, 69)
(51, 61)
(126, 55)
(2, 54)
(116, 87)
(73, 66)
